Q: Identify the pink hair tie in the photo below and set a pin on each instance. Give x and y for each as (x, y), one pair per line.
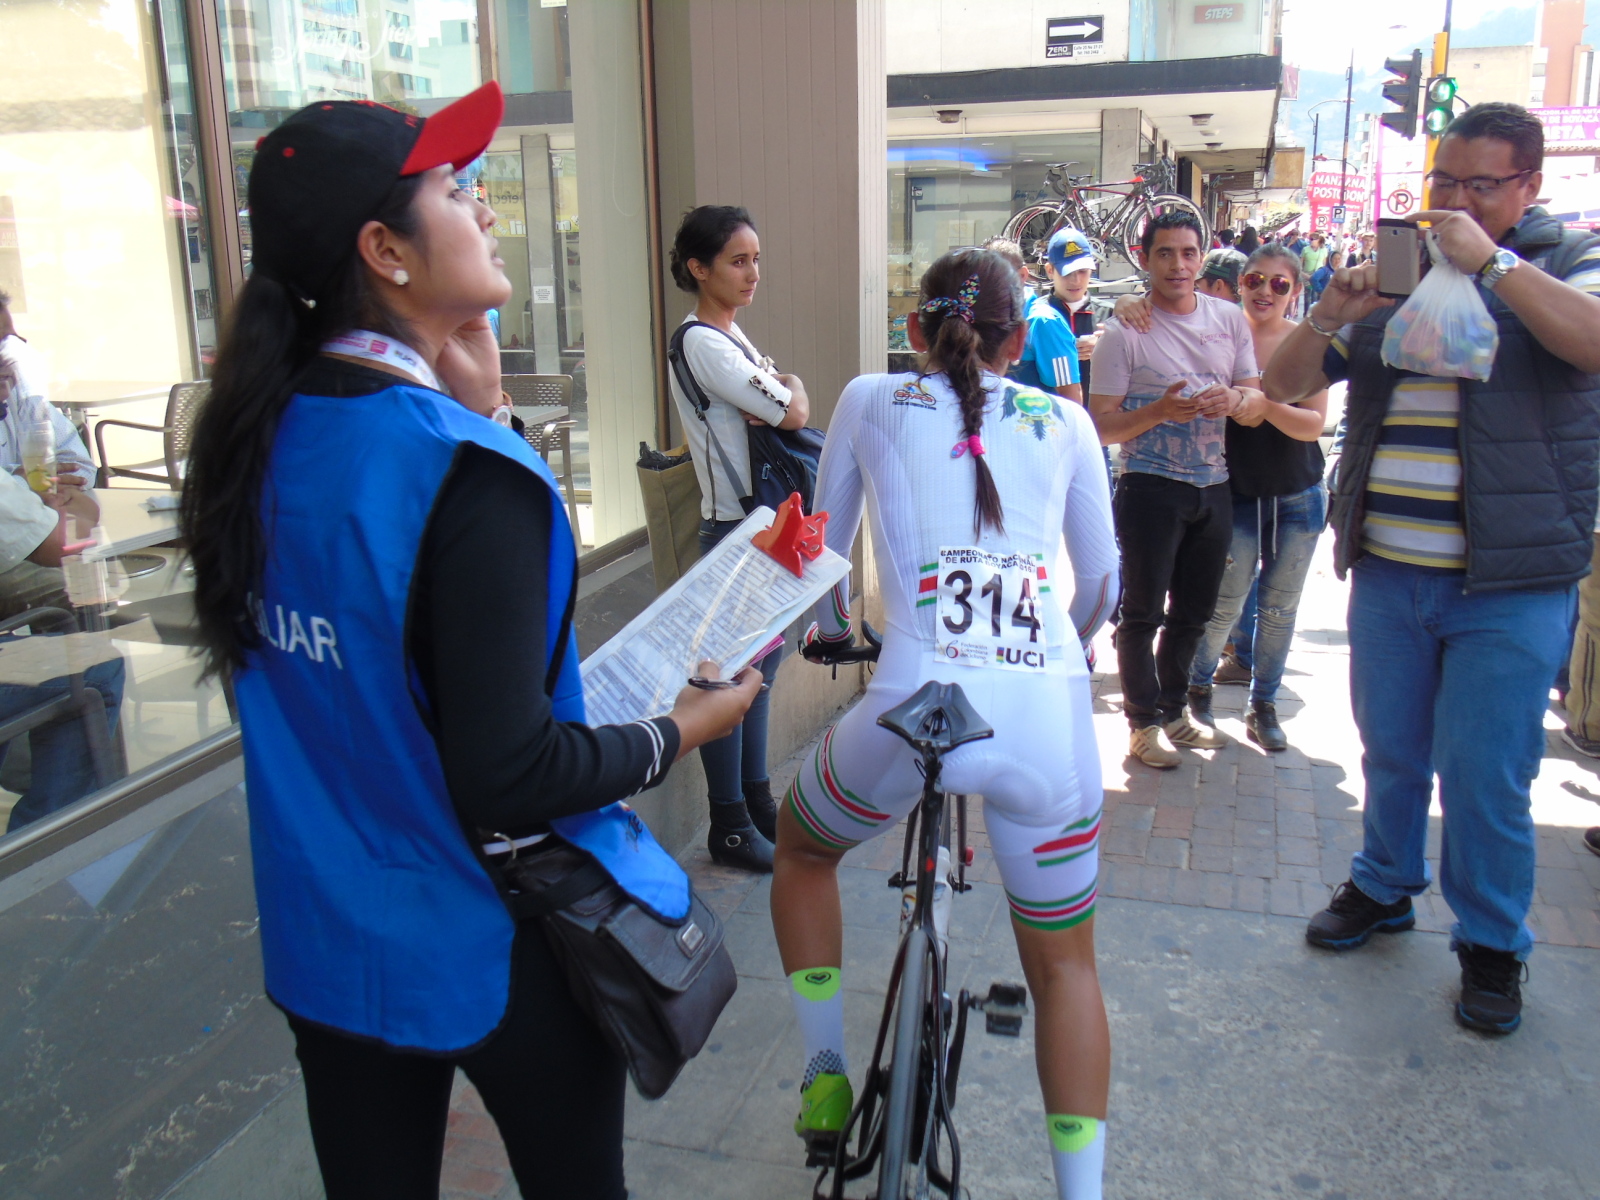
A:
(973, 443)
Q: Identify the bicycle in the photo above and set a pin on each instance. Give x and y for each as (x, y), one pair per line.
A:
(904, 1109)
(1112, 231)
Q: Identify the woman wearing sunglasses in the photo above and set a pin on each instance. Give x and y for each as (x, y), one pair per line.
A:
(1279, 508)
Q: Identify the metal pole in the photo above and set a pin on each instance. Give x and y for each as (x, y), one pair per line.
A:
(1344, 154)
(1441, 66)
(1316, 129)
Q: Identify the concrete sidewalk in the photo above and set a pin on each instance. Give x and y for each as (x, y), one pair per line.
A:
(1246, 1062)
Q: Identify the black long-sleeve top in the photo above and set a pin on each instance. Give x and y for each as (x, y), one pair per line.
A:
(477, 630)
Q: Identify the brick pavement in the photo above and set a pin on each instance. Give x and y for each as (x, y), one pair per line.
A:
(1233, 828)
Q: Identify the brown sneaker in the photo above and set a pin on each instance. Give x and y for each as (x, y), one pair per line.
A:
(1184, 732)
(1229, 670)
(1152, 749)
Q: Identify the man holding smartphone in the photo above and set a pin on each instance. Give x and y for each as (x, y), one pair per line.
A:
(1465, 510)
(1165, 397)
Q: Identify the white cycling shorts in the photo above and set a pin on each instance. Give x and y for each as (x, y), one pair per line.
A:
(1039, 777)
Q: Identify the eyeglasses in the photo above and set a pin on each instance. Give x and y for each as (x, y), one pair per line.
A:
(1478, 185)
(1280, 285)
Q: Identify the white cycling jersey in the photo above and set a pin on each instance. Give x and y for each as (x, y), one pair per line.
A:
(984, 610)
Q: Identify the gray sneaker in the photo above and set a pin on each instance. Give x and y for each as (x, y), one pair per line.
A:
(1583, 745)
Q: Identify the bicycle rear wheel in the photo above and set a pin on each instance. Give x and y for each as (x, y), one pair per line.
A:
(1152, 206)
(901, 1135)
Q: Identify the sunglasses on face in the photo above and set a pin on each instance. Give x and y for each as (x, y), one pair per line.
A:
(1280, 285)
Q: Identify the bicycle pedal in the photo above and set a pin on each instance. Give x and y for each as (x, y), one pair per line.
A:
(821, 1145)
(1003, 1009)
(898, 880)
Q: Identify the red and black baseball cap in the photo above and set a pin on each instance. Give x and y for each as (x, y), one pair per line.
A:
(322, 174)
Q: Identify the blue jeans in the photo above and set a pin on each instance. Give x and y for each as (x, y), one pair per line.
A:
(62, 771)
(1455, 684)
(1243, 636)
(741, 756)
(1276, 536)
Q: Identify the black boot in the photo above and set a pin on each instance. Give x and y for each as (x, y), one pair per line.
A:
(758, 799)
(1261, 723)
(1200, 706)
(734, 840)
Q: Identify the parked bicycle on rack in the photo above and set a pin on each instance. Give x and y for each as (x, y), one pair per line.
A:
(966, 545)
(1113, 215)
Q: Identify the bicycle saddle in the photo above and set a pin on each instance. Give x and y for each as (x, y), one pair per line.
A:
(936, 718)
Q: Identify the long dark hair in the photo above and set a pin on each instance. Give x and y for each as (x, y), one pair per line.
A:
(271, 337)
(960, 348)
(702, 234)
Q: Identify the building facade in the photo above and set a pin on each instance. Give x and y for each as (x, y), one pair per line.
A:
(138, 1055)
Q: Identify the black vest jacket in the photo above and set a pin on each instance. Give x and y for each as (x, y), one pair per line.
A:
(1529, 439)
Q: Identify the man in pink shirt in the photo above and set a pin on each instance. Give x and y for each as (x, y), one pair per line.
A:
(1165, 397)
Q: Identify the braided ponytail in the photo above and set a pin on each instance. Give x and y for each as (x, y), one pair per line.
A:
(971, 304)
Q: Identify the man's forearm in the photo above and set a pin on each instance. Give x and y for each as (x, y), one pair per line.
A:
(1116, 426)
(1565, 321)
(1295, 370)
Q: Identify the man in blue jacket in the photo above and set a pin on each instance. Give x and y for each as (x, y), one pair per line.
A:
(1465, 510)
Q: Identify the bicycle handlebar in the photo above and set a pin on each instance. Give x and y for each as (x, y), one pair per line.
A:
(842, 654)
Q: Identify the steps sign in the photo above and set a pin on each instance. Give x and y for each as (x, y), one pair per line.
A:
(1075, 37)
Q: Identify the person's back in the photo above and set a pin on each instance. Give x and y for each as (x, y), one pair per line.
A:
(971, 484)
(897, 430)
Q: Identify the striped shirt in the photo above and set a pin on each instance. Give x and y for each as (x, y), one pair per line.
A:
(1413, 498)
(1414, 488)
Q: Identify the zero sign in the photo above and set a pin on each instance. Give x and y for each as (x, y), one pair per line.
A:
(1400, 201)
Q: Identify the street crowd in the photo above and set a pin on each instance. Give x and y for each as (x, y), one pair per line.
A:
(395, 933)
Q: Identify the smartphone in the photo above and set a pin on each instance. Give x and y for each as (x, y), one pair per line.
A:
(1400, 254)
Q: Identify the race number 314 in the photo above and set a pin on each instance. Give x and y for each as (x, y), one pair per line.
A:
(989, 613)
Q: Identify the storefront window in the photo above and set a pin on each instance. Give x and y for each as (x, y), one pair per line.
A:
(1184, 29)
(950, 192)
(534, 51)
(106, 258)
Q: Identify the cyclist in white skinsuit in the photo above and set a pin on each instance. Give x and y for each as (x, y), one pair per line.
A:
(985, 609)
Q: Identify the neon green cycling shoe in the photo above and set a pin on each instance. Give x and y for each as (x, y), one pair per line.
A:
(824, 1111)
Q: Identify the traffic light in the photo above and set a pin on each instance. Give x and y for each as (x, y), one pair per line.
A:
(1403, 91)
(1441, 103)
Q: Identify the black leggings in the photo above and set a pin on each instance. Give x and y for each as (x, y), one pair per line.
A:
(552, 1085)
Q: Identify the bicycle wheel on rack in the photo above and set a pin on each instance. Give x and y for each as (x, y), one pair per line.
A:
(1031, 229)
(1152, 206)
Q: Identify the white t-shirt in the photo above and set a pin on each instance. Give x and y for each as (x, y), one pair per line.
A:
(736, 386)
(18, 360)
(25, 521)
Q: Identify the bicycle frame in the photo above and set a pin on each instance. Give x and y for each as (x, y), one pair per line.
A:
(884, 1138)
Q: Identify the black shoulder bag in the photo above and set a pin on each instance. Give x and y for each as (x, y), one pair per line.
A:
(654, 988)
(782, 461)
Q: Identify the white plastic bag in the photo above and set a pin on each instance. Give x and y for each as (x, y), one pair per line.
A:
(1443, 328)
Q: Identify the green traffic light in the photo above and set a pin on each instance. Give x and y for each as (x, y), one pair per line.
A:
(1442, 90)
(1437, 121)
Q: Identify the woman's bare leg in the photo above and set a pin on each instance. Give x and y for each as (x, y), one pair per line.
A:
(1072, 1043)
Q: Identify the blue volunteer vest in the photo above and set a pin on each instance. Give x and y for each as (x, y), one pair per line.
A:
(377, 917)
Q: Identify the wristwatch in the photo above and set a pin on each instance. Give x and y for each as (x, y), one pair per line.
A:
(1501, 264)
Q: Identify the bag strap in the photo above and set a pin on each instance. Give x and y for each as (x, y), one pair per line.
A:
(585, 881)
(702, 403)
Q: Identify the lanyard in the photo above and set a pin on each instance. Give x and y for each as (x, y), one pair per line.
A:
(377, 347)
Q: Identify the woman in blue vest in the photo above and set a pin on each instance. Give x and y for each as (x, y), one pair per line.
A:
(390, 578)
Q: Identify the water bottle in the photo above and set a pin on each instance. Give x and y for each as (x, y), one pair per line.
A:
(39, 454)
(941, 900)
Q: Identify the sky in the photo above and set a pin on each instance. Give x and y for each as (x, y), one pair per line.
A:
(1320, 38)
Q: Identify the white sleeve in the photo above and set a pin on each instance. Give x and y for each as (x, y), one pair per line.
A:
(25, 521)
(724, 373)
(841, 495)
(1088, 531)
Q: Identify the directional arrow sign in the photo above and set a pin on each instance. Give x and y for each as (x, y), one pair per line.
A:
(1077, 29)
